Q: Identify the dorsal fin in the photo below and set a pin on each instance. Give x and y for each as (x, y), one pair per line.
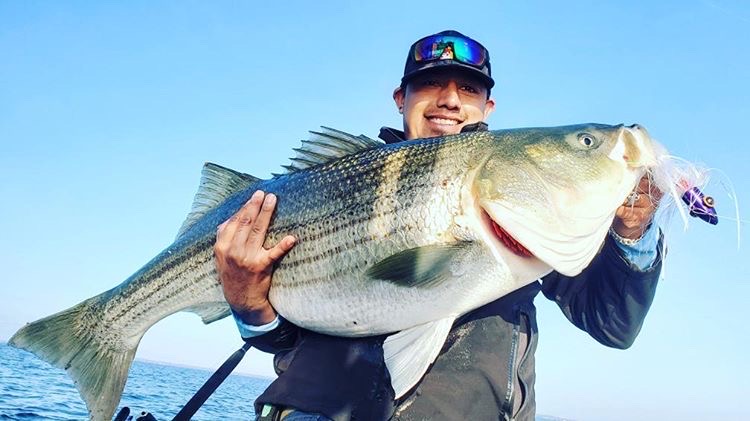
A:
(327, 145)
(217, 183)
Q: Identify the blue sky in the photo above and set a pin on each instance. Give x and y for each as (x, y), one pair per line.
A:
(108, 111)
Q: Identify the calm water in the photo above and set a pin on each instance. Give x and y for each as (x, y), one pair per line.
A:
(31, 389)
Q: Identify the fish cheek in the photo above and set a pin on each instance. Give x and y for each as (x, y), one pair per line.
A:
(597, 179)
(556, 163)
(485, 188)
(510, 182)
(493, 179)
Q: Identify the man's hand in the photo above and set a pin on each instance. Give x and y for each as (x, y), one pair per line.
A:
(245, 267)
(634, 216)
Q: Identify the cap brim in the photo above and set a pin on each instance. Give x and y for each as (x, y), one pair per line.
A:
(439, 64)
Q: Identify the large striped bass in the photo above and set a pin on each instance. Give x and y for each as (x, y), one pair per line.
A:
(390, 238)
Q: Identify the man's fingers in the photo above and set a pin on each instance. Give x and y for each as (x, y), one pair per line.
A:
(227, 231)
(645, 195)
(646, 187)
(280, 250)
(655, 194)
(633, 217)
(240, 223)
(257, 235)
(241, 238)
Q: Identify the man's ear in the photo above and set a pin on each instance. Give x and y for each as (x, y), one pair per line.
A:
(489, 107)
(398, 97)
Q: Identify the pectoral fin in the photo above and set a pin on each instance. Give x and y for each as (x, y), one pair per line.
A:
(418, 267)
(409, 353)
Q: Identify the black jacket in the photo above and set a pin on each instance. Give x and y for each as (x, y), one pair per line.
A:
(485, 370)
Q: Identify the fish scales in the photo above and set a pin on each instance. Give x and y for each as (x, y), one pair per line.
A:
(163, 288)
(329, 265)
(417, 210)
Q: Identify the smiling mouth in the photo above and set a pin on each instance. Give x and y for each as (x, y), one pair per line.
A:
(444, 121)
(508, 241)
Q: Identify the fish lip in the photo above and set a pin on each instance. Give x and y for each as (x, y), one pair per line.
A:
(504, 237)
(637, 151)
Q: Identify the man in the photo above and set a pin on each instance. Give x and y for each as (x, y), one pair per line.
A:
(486, 368)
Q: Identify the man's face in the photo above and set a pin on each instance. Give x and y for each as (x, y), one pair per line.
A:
(441, 102)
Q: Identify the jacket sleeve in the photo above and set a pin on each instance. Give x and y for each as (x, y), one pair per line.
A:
(610, 298)
(281, 338)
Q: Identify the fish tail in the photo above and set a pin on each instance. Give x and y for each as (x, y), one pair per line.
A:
(66, 341)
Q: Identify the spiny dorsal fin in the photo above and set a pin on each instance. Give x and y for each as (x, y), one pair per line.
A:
(217, 183)
(327, 145)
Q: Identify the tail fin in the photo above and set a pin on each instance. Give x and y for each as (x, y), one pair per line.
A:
(68, 340)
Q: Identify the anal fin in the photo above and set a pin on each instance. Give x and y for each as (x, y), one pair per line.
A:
(409, 353)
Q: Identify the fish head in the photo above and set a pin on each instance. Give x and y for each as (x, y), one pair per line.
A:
(552, 193)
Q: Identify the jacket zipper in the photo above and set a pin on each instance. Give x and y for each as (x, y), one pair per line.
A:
(508, 407)
(524, 320)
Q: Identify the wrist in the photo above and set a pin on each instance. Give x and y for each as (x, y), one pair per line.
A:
(628, 241)
(630, 234)
(256, 316)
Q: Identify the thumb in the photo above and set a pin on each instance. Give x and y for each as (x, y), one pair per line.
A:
(280, 250)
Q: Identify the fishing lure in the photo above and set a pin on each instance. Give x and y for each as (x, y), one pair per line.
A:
(700, 205)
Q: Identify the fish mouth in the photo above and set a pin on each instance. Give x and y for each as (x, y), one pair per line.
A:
(505, 238)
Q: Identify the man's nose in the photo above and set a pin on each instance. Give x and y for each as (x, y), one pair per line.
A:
(448, 96)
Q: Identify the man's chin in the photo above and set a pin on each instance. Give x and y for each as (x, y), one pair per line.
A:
(441, 131)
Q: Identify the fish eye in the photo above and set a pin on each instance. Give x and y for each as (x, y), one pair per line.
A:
(587, 140)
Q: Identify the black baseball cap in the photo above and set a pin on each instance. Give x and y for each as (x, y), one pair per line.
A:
(448, 48)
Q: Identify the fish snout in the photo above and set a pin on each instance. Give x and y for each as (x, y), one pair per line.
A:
(634, 147)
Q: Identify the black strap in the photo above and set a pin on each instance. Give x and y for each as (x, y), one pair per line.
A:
(390, 135)
(479, 126)
(210, 386)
